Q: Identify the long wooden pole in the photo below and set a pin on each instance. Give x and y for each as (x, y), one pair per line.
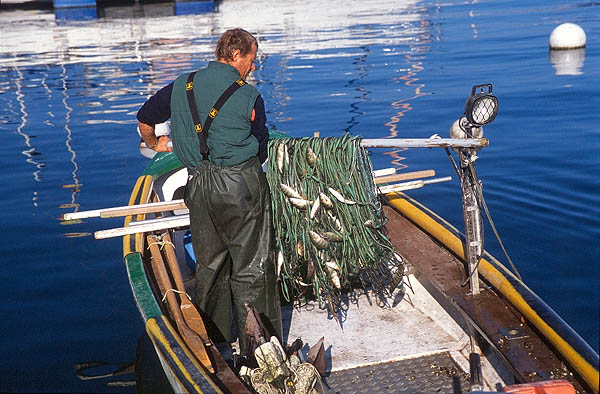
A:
(404, 176)
(143, 226)
(127, 210)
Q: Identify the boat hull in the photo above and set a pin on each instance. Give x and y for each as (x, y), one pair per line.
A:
(527, 335)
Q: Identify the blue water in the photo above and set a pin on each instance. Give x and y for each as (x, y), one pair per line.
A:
(69, 91)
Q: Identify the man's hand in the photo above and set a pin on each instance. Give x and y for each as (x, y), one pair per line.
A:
(163, 144)
(158, 144)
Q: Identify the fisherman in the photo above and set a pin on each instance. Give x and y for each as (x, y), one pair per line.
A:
(227, 191)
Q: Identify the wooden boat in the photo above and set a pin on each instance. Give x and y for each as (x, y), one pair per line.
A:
(433, 334)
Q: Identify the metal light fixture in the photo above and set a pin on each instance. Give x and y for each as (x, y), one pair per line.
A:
(481, 108)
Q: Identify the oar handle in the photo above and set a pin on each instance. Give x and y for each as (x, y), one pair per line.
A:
(404, 176)
(127, 210)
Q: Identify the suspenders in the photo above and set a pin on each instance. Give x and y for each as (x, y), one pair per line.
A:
(200, 131)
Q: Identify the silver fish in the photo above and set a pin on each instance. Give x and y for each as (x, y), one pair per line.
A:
(289, 191)
(336, 223)
(311, 158)
(334, 276)
(340, 198)
(280, 156)
(318, 241)
(315, 208)
(326, 201)
(299, 203)
(280, 260)
(331, 236)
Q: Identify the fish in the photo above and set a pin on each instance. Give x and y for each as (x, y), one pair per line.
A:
(286, 155)
(280, 156)
(280, 260)
(334, 277)
(311, 158)
(315, 208)
(289, 191)
(336, 223)
(326, 201)
(299, 203)
(318, 240)
(331, 236)
(340, 198)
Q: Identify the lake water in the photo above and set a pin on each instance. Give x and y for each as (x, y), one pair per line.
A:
(70, 88)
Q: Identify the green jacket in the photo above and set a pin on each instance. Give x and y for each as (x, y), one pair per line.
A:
(229, 139)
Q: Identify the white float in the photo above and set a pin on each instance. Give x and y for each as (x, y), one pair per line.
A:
(567, 36)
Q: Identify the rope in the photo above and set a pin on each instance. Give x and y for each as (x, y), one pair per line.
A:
(482, 202)
(489, 217)
(161, 243)
(175, 291)
(328, 220)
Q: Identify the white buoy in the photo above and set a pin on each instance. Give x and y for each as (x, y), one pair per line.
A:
(567, 36)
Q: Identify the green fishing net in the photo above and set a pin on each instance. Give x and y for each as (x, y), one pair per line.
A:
(329, 222)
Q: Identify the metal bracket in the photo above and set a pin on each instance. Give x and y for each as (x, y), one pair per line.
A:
(511, 333)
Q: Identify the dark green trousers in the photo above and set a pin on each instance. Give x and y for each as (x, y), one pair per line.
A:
(232, 235)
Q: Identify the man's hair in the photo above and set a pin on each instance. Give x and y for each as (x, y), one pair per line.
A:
(234, 39)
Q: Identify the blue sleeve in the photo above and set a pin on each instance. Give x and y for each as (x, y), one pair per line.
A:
(158, 107)
(259, 128)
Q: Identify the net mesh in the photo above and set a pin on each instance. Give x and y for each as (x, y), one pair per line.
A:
(328, 219)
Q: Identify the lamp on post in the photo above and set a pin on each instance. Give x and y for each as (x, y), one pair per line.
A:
(481, 108)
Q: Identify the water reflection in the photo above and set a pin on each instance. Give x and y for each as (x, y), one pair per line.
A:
(30, 153)
(362, 66)
(75, 186)
(567, 61)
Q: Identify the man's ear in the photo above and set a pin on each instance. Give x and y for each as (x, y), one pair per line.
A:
(235, 54)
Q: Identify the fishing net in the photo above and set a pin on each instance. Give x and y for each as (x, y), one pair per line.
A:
(328, 219)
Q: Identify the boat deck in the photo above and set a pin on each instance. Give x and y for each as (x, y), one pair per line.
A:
(421, 375)
(411, 335)
(412, 339)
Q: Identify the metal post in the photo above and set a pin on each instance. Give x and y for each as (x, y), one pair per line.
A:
(472, 217)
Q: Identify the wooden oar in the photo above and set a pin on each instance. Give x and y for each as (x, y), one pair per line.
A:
(411, 185)
(194, 321)
(127, 210)
(190, 313)
(193, 340)
(149, 225)
(404, 176)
